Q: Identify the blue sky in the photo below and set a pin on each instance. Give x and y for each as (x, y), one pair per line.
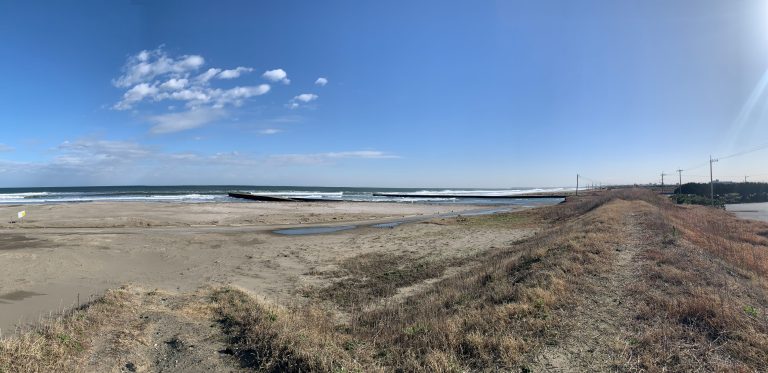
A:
(394, 93)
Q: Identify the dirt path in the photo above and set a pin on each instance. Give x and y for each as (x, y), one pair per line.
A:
(597, 331)
(166, 333)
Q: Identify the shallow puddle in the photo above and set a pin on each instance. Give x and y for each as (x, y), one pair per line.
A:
(19, 295)
(313, 230)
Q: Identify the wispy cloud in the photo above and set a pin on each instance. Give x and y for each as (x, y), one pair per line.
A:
(5, 148)
(270, 131)
(321, 81)
(147, 65)
(94, 150)
(306, 97)
(207, 75)
(234, 73)
(174, 84)
(138, 93)
(99, 162)
(277, 75)
(285, 119)
(303, 98)
(175, 122)
(235, 96)
(319, 158)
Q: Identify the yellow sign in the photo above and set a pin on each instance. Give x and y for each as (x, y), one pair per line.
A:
(22, 214)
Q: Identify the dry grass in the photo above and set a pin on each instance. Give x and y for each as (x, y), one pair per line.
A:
(273, 339)
(519, 219)
(741, 243)
(369, 277)
(693, 311)
(59, 344)
(697, 300)
(487, 319)
(702, 294)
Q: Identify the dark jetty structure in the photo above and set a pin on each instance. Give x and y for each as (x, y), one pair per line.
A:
(265, 198)
(256, 197)
(516, 196)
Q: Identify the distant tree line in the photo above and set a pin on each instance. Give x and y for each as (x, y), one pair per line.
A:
(728, 192)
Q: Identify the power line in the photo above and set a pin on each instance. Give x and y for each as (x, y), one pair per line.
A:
(761, 147)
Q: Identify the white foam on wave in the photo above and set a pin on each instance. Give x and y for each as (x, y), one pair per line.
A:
(416, 199)
(21, 195)
(302, 194)
(402, 199)
(86, 198)
(487, 192)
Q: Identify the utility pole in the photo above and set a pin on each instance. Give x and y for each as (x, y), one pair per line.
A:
(577, 184)
(662, 182)
(745, 179)
(711, 183)
(680, 181)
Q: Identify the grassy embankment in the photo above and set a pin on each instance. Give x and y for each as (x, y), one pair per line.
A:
(687, 287)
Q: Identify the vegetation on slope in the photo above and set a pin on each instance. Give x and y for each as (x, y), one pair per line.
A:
(699, 193)
(666, 288)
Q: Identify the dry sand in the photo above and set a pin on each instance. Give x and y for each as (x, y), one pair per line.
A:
(63, 250)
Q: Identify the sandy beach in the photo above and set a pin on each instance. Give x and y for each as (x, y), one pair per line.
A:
(62, 252)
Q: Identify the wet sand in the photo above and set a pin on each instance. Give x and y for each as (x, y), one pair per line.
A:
(65, 251)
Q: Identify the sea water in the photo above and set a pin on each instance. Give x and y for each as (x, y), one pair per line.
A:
(218, 193)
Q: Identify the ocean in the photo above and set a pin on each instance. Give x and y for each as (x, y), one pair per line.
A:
(218, 193)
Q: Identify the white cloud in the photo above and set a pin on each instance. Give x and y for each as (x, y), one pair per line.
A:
(143, 56)
(234, 73)
(235, 96)
(194, 96)
(153, 76)
(147, 65)
(276, 75)
(136, 94)
(270, 131)
(317, 158)
(321, 81)
(306, 97)
(5, 148)
(156, 76)
(175, 122)
(303, 98)
(207, 75)
(174, 84)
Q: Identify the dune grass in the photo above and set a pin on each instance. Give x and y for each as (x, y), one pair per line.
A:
(489, 318)
(59, 344)
(694, 312)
